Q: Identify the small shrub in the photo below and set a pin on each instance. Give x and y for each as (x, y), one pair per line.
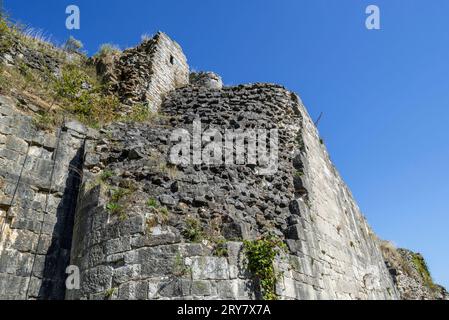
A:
(118, 203)
(140, 113)
(151, 222)
(160, 214)
(4, 28)
(110, 293)
(119, 193)
(81, 94)
(118, 210)
(27, 74)
(168, 169)
(114, 208)
(194, 230)
(73, 45)
(299, 173)
(152, 203)
(106, 174)
(5, 36)
(164, 211)
(129, 186)
(45, 121)
(220, 248)
(179, 267)
(160, 217)
(70, 85)
(261, 254)
(107, 49)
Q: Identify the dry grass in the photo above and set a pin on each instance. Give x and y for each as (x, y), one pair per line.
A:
(34, 39)
(77, 92)
(146, 36)
(37, 37)
(107, 50)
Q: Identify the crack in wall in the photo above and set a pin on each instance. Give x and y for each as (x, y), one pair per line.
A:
(57, 257)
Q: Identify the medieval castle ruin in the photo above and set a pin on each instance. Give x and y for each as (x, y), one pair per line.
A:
(107, 200)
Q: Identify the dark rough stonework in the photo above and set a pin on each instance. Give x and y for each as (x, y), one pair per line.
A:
(314, 213)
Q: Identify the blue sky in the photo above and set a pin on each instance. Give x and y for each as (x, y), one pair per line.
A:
(384, 94)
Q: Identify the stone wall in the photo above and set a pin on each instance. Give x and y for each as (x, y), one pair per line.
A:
(34, 54)
(411, 274)
(145, 74)
(39, 177)
(142, 252)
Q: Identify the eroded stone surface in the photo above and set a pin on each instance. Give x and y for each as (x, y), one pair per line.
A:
(145, 74)
(332, 253)
(40, 173)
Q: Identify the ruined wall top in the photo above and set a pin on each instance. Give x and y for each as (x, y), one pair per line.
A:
(146, 73)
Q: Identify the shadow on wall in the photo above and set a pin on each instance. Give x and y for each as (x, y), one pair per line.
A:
(57, 257)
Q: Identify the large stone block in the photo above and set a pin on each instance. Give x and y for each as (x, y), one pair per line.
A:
(209, 268)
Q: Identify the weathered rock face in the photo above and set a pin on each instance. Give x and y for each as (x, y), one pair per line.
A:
(411, 275)
(46, 59)
(146, 73)
(137, 254)
(40, 177)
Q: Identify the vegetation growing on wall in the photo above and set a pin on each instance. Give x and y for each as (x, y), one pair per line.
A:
(159, 215)
(74, 90)
(421, 266)
(119, 200)
(193, 231)
(5, 35)
(80, 92)
(46, 121)
(391, 254)
(261, 254)
(106, 50)
(110, 293)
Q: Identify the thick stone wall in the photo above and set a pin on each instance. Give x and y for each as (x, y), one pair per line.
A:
(39, 177)
(145, 74)
(143, 251)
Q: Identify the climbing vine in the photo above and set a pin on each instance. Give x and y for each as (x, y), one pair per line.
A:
(260, 255)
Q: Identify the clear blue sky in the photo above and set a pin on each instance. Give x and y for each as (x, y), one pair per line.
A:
(384, 94)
